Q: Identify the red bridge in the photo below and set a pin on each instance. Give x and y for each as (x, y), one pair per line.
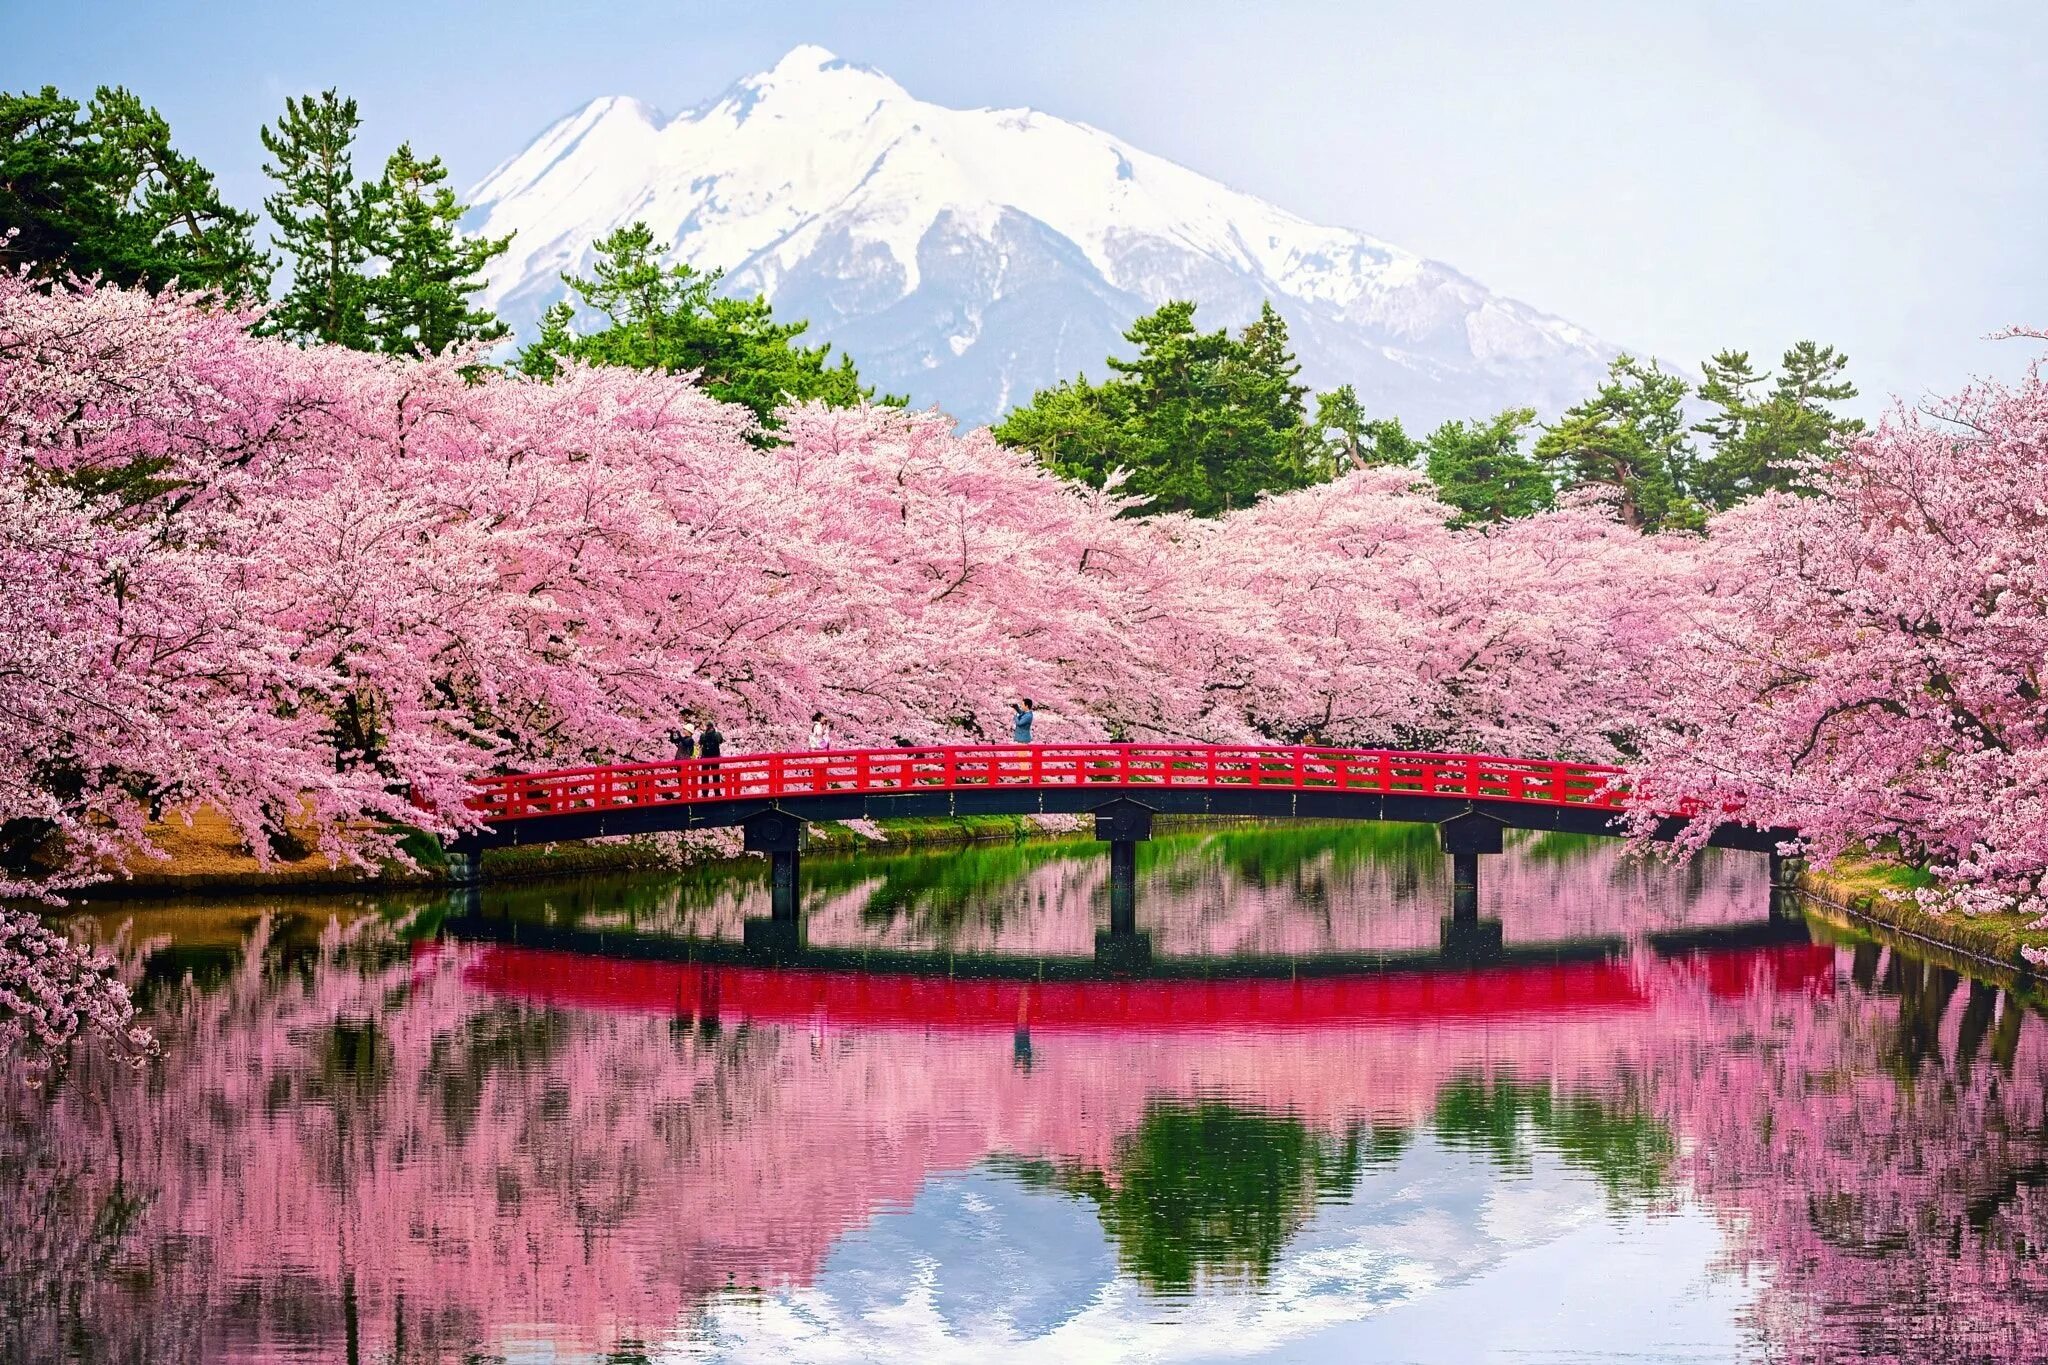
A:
(1302, 781)
(1471, 798)
(1099, 770)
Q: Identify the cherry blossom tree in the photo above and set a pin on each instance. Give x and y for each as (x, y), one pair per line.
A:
(1360, 616)
(1865, 665)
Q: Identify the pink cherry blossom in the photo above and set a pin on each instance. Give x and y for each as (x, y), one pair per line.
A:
(1866, 665)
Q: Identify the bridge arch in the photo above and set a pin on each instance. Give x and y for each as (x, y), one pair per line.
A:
(1292, 782)
(1470, 798)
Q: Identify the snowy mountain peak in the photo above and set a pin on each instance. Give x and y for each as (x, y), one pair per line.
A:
(808, 67)
(970, 256)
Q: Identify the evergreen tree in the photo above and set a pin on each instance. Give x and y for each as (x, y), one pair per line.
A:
(55, 208)
(422, 300)
(1198, 421)
(103, 192)
(1768, 441)
(1072, 426)
(1630, 440)
(322, 218)
(1482, 470)
(670, 317)
(1340, 427)
(1351, 440)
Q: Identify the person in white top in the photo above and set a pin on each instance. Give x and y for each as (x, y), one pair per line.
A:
(821, 731)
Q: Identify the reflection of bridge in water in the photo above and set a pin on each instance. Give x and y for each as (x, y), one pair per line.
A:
(1469, 799)
(711, 984)
(610, 1144)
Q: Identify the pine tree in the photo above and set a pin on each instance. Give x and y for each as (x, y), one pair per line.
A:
(422, 300)
(182, 229)
(1630, 439)
(542, 359)
(53, 189)
(322, 218)
(1198, 421)
(1482, 470)
(1354, 441)
(1770, 441)
(1261, 439)
(102, 192)
(670, 317)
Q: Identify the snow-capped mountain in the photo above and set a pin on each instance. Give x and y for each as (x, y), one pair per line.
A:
(969, 256)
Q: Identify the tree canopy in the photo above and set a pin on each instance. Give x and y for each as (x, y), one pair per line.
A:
(322, 221)
(1771, 438)
(421, 300)
(1630, 441)
(100, 191)
(1481, 469)
(1197, 421)
(673, 319)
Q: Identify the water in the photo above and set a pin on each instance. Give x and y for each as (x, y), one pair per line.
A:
(387, 1130)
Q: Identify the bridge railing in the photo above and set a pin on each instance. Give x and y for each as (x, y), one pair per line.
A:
(854, 772)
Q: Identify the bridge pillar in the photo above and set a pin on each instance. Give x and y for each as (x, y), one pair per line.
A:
(1469, 940)
(783, 837)
(463, 861)
(1785, 885)
(1123, 824)
(1465, 837)
(465, 874)
(1464, 936)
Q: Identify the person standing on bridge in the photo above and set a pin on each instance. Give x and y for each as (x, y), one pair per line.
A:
(1021, 715)
(710, 744)
(821, 731)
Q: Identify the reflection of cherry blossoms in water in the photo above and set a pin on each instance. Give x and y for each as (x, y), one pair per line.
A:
(1254, 890)
(452, 1148)
(1883, 1156)
(363, 1145)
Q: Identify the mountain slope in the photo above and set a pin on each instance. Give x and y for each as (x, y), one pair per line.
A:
(968, 257)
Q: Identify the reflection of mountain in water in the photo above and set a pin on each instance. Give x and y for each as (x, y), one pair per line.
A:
(322, 1142)
(351, 1140)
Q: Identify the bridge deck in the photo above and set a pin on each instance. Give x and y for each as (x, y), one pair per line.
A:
(1306, 782)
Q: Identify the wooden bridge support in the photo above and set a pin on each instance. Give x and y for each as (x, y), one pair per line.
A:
(1123, 824)
(1465, 838)
(783, 837)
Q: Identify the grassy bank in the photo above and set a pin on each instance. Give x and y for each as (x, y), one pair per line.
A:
(1882, 893)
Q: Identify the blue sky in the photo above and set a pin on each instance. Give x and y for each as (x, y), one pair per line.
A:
(1676, 176)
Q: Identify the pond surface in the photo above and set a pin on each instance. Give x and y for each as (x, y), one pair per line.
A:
(402, 1130)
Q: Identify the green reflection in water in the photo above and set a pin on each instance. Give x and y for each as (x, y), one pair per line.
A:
(1270, 854)
(941, 890)
(1630, 1152)
(1208, 1190)
(1556, 849)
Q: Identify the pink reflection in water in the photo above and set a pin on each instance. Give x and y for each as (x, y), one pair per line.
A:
(464, 1146)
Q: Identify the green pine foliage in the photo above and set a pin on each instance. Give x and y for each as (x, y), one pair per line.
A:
(1481, 469)
(1351, 440)
(322, 219)
(671, 317)
(381, 266)
(421, 300)
(1197, 422)
(101, 191)
(1631, 442)
(1770, 438)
